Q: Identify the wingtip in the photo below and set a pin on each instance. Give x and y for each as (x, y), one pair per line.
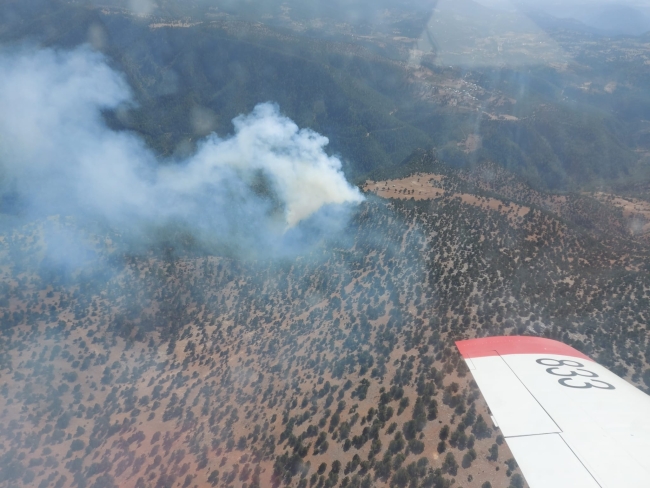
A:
(505, 345)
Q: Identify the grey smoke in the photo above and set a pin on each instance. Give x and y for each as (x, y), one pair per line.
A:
(268, 188)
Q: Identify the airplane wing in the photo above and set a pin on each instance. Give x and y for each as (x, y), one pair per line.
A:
(570, 422)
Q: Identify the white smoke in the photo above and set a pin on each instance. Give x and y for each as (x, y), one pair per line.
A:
(57, 153)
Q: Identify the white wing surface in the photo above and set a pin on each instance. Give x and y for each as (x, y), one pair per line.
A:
(570, 422)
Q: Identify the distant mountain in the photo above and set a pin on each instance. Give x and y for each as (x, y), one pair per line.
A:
(551, 22)
(618, 19)
(592, 17)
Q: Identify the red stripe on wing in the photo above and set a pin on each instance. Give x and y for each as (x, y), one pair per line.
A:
(502, 346)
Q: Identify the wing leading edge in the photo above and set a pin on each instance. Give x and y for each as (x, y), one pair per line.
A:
(569, 421)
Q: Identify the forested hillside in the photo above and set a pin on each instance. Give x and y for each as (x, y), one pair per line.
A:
(558, 128)
(337, 368)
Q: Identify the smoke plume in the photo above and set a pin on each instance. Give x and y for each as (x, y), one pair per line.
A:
(268, 187)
